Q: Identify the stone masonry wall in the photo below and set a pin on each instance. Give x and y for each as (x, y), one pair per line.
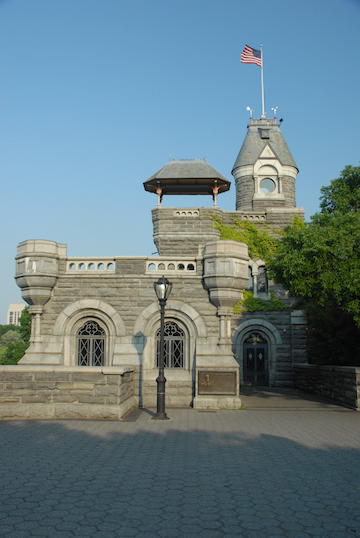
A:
(65, 392)
(128, 295)
(338, 383)
(180, 231)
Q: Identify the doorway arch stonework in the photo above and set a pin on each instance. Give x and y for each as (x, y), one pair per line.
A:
(269, 332)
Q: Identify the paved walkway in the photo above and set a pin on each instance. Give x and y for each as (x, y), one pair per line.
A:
(249, 473)
(284, 399)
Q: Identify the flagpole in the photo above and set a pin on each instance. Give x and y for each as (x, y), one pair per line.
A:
(263, 113)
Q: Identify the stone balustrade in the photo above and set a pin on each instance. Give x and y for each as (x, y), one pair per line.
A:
(170, 265)
(90, 265)
(253, 217)
(186, 213)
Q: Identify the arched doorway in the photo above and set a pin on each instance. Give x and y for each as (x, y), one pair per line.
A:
(255, 360)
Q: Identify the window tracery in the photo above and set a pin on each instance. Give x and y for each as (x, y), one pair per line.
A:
(174, 337)
(91, 344)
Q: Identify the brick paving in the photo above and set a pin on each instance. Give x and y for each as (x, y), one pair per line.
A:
(249, 473)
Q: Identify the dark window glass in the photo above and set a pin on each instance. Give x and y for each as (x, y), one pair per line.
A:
(91, 345)
(174, 338)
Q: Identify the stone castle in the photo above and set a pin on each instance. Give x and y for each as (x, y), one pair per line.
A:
(101, 314)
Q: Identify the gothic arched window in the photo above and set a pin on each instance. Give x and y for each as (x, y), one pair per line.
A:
(174, 345)
(91, 344)
(250, 285)
(262, 281)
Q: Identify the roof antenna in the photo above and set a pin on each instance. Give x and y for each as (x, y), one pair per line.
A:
(274, 109)
(250, 110)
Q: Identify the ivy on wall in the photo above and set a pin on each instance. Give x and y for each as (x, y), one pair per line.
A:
(249, 303)
(262, 243)
(261, 240)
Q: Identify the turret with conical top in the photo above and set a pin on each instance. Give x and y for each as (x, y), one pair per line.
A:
(264, 171)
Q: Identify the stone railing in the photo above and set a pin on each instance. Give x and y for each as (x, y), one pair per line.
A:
(65, 392)
(253, 217)
(170, 265)
(338, 383)
(186, 213)
(90, 265)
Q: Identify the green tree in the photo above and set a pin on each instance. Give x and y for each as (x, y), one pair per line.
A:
(9, 337)
(319, 262)
(15, 340)
(5, 328)
(13, 352)
(25, 324)
(343, 193)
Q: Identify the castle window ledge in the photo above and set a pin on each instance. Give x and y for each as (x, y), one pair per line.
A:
(268, 196)
(171, 266)
(90, 265)
(254, 217)
(186, 213)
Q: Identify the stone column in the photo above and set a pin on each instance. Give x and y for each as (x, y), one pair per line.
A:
(217, 371)
(37, 269)
(35, 312)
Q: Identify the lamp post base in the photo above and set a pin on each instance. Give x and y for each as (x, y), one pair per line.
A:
(160, 416)
(160, 403)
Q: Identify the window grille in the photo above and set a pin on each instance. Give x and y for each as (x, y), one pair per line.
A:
(174, 338)
(91, 344)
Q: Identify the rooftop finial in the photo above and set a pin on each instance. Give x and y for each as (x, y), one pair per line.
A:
(274, 110)
(250, 110)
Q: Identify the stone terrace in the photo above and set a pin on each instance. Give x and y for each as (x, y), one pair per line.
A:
(248, 473)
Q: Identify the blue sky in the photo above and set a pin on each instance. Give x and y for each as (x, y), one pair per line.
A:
(96, 95)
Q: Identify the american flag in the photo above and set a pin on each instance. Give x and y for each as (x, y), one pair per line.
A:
(251, 56)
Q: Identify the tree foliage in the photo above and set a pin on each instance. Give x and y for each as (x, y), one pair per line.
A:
(319, 261)
(249, 303)
(14, 340)
(343, 193)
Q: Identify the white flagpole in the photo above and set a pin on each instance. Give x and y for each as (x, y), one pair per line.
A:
(263, 113)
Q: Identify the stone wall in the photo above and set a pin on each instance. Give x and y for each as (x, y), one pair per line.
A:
(338, 383)
(65, 392)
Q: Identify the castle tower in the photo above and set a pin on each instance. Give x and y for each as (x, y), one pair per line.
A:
(180, 231)
(264, 171)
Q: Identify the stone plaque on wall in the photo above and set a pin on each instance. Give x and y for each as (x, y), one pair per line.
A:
(211, 382)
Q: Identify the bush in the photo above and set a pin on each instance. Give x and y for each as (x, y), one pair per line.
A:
(253, 304)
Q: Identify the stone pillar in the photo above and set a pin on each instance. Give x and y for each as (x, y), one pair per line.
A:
(37, 269)
(35, 312)
(217, 371)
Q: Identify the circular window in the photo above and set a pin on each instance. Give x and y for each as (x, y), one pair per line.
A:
(267, 185)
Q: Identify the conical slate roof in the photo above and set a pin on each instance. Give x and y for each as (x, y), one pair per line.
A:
(262, 133)
(187, 176)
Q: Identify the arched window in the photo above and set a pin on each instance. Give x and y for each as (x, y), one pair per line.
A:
(262, 281)
(250, 285)
(91, 344)
(174, 345)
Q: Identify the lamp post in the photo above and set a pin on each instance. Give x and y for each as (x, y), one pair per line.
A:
(162, 289)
